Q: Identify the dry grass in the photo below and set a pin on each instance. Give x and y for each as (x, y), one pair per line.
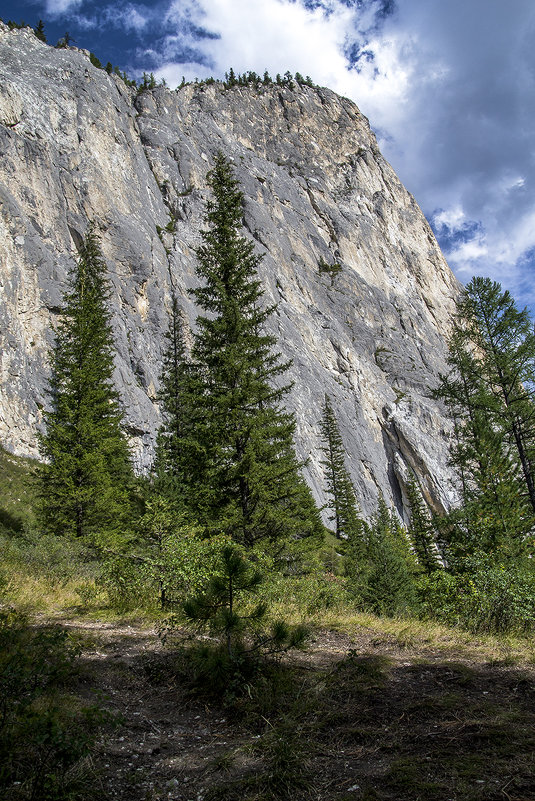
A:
(33, 592)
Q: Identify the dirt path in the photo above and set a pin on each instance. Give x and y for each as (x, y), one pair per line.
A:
(163, 741)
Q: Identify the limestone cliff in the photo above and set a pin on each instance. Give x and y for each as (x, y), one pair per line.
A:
(77, 144)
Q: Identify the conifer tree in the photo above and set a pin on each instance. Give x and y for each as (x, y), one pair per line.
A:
(227, 609)
(506, 340)
(339, 485)
(490, 394)
(40, 31)
(178, 392)
(420, 530)
(86, 476)
(251, 486)
(381, 574)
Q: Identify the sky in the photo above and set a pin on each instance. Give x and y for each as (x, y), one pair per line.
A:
(448, 87)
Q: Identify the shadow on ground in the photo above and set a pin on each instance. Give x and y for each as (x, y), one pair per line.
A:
(366, 726)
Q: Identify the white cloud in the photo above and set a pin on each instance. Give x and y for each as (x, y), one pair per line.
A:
(276, 35)
(54, 8)
(129, 17)
(452, 218)
(133, 20)
(447, 87)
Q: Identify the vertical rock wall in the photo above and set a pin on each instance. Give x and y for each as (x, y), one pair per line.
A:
(77, 144)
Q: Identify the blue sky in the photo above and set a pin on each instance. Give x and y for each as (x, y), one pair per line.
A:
(448, 88)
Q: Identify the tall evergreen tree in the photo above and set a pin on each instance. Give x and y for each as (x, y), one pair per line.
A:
(251, 485)
(506, 340)
(339, 485)
(490, 394)
(178, 394)
(86, 476)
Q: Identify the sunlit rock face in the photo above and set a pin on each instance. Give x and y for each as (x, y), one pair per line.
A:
(79, 145)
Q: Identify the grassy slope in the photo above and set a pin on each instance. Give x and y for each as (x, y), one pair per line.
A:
(17, 492)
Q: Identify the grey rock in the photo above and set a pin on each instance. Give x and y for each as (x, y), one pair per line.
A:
(79, 145)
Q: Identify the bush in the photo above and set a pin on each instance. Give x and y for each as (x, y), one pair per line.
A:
(129, 583)
(57, 559)
(481, 596)
(44, 734)
(380, 566)
(169, 562)
(39, 570)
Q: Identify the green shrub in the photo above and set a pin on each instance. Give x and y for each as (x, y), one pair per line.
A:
(169, 562)
(332, 270)
(129, 583)
(309, 594)
(380, 566)
(482, 596)
(57, 559)
(44, 734)
(229, 609)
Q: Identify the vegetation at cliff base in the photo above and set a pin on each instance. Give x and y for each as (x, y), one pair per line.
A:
(222, 548)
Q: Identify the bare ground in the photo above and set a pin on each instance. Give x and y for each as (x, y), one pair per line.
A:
(363, 717)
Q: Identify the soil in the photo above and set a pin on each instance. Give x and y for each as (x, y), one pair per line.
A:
(358, 717)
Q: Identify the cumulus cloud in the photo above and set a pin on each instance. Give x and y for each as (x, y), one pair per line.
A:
(276, 35)
(445, 85)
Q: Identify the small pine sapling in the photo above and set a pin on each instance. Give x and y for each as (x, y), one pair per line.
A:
(228, 610)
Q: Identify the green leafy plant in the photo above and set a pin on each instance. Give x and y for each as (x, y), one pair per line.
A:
(483, 595)
(332, 270)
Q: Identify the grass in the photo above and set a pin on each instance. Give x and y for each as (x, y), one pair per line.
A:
(401, 709)
(373, 727)
(17, 492)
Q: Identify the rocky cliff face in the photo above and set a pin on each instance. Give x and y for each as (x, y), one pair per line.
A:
(77, 144)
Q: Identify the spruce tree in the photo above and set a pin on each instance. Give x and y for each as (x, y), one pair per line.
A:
(39, 31)
(250, 487)
(175, 449)
(420, 531)
(237, 624)
(381, 575)
(86, 476)
(339, 485)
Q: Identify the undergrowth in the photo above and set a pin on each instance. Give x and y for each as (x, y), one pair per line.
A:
(46, 733)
